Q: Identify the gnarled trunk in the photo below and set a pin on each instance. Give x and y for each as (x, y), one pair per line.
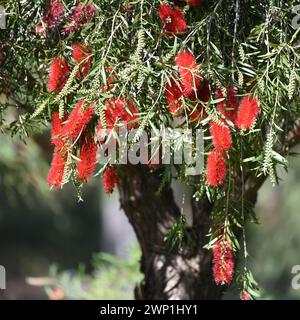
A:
(168, 275)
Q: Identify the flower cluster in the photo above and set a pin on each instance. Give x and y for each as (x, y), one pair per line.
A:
(55, 13)
(54, 18)
(216, 168)
(188, 85)
(78, 120)
(173, 19)
(70, 134)
(88, 154)
(116, 112)
(242, 116)
(245, 295)
(58, 75)
(223, 262)
(110, 179)
(189, 72)
(80, 16)
(64, 132)
(59, 159)
(81, 54)
(248, 112)
(59, 69)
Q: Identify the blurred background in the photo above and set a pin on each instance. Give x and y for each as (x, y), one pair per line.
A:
(54, 247)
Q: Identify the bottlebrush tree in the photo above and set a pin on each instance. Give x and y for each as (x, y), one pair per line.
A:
(229, 67)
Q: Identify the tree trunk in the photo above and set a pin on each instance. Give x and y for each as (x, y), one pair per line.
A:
(168, 275)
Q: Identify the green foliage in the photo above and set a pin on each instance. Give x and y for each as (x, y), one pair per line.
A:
(112, 279)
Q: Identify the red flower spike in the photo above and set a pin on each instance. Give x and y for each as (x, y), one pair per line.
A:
(56, 9)
(81, 55)
(110, 179)
(88, 154)
(172, 18)
(248, 112)
(189, 73)
(173, 94)
(57, 169)
(55, 14)
(58, 76)
(80, 16)
(116, 112)
(245, 296)
(78, 120)
(221, 136)
(216, 168)
(40, 30)
(56, 129)
(228, 107)
(223, 263)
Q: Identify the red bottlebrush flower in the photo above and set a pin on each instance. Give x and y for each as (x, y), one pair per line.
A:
(228, 107)
(58, 76)
(172, 18)
(80, 16)
(55, 13)
(189, 73)
(81, 55)
(80, 52)
(88, 154)
(173, 94)
(40, 30)
(78, 120)
(56, 9)
(245, 296)
(110, 179)
(56, 129)
(216, 168)
(116, 112)
(221, 136)
(88, 12)
(193, 2)
(57, 169)
(223, 263)
(248, 112)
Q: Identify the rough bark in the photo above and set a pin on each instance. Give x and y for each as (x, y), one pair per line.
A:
(168, 275)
